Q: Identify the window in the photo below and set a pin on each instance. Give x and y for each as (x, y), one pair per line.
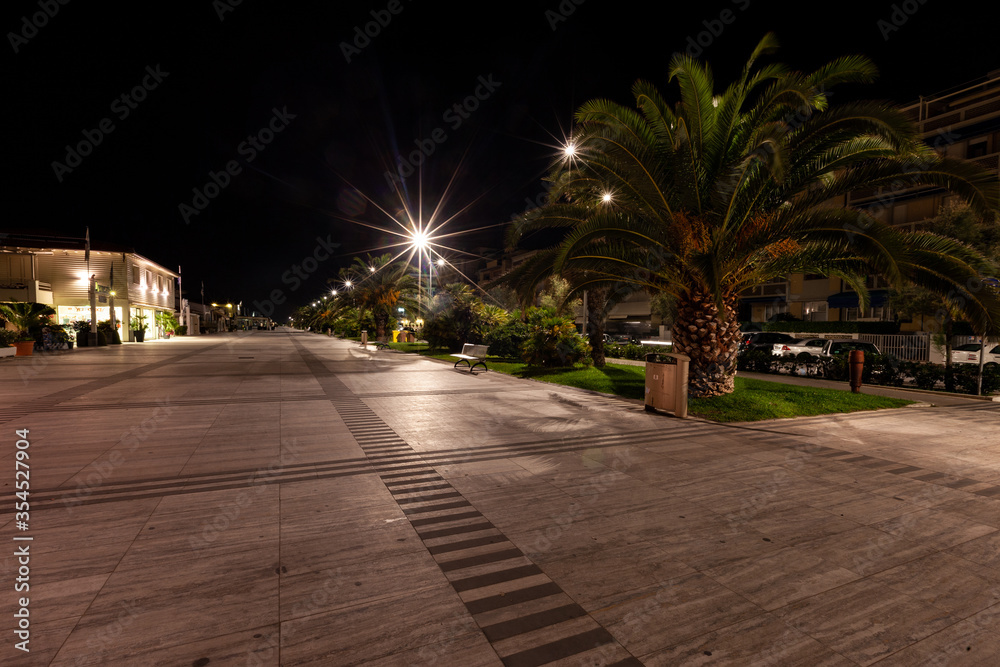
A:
(772, 309)
(814, 311)
(880, 314)
(977, 149)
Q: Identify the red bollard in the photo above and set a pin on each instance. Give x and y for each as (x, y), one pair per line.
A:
(857, 362)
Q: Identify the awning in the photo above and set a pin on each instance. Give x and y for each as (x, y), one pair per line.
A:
(877, 297)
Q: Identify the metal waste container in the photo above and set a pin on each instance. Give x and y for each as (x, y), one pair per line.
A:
(364, 338)
(667, 383)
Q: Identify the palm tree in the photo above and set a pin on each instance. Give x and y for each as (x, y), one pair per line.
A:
(378, 285)
(25, 315)
(602, 295)
(721, 192)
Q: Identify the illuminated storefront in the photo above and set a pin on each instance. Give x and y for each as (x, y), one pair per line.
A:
(68, 314)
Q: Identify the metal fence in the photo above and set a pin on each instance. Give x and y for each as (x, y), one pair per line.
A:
(908, 347)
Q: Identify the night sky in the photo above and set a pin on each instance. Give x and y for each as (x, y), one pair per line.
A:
(307, 115)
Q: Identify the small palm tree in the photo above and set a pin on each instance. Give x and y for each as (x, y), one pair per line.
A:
(724, 191)
(378, 286)
(25, 315)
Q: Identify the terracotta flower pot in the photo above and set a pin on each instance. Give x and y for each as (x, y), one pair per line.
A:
(25, 348)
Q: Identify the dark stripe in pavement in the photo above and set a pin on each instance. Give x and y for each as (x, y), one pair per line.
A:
(483, 580)
(457, 530)
(482, 559)
(542, 619)
(514, 597)
(416, 482)
(466, 544)
(560, 649)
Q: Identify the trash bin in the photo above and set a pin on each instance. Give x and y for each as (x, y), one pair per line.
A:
(364, 338)
(395, 336)
(667, 383)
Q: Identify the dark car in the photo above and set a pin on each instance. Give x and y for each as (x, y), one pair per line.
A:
(624, 339)
(763, 340)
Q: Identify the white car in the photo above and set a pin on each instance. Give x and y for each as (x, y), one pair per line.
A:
(822, 347)
(797, 345)
(969, 354)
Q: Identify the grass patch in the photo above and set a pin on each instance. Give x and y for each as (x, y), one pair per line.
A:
(754, 400)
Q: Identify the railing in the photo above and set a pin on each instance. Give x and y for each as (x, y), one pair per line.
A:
(908, 347)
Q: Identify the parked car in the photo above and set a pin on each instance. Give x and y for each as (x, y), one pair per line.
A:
(624, 339)
(822, 347)
(763, 340)
(969, 354)
(796, 346)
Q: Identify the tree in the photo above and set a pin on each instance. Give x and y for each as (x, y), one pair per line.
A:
(26, 316)
(723, 191)
(960, 222)
(377, 285)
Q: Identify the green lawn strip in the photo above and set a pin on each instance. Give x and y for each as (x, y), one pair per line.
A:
(753, 399)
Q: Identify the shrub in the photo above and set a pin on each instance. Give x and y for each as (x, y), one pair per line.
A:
(757, 361)
(967, 378)
(553, 341)
(632, 350)
(8, 338)
(926, 376)
(823, 327)
(181, 330)
(508, 339)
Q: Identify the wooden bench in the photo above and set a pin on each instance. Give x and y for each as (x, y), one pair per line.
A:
(472, 353)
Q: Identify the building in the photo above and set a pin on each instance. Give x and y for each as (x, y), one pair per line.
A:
(53, 270)
(963, 122)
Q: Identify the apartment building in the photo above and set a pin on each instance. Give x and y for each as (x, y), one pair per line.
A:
(963, 122)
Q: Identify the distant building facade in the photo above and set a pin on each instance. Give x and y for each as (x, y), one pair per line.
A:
(53, 270)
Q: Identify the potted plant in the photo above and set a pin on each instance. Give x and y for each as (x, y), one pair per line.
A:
(167, 322)
(25, 316)
(138, 326)
(7, 340)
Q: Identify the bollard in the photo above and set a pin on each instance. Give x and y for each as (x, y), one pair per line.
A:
(857, 363)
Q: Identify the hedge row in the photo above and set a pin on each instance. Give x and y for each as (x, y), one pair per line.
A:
(883, 328)
(879, 369)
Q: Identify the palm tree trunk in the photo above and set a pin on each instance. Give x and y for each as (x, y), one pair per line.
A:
(949, 369)
(597, 301)
(711, 339)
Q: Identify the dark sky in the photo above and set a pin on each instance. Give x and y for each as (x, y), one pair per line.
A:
(220, 79)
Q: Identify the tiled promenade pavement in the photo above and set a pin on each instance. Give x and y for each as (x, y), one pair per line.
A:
(288, 499)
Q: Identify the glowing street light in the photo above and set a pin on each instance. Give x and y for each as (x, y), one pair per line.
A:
(606, 197)
(570, 149)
